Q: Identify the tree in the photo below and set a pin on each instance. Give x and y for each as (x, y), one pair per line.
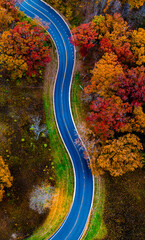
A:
(9, 5)
(115, 29)
(123, 52)
(84, 37)
(134, 3)
(98, 19)
(136, 123)
(92, 146)
(131, 86)
(139, 116)
(120, 155)
(5, 19)
(11, 61)
(41, 197)
(87, 139)
(138, 45)
(69, 8)
(24, 49)
(5, 177)
(111, 27)
(108, 116)
(105, 73)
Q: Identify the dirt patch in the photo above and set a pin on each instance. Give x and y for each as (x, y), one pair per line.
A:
(124, 212)
(25, 148)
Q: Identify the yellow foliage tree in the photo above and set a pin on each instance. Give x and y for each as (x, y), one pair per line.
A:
(136, 123)
(140, 118)
(9, 60)
(120, 155)
(66, 7)
(5, 177)
(114, 28)
(5, 19)
(138, 45)
(134, 3)
(105, 73)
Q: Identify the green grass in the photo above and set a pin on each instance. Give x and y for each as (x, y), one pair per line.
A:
(76, 104)
(96, 228)
(61, 158)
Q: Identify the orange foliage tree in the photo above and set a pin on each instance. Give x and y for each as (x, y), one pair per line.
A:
(5, 19)
(120, 155)
(5, 177)
(138, 45)
(134, 3)
(115, 29)
(105, 74)
(136, 123)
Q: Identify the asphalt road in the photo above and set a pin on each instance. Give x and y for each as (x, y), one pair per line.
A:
(74, 224)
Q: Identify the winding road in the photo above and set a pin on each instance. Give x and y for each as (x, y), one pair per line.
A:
(75, 222)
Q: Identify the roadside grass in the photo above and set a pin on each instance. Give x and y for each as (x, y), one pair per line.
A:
(95, 228)
(63, 196)
(76, 105)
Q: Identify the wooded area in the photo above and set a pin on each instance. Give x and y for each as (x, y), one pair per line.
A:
(117, 87)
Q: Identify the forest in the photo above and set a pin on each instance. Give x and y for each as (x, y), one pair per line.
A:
(111, 49)
(117, 87)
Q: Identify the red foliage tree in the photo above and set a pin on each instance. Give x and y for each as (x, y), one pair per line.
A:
(122, 51)
(108, 116)
(131, 86)
(84, 36)
(32, 44)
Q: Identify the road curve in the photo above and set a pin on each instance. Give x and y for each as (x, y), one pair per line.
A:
(75, 222)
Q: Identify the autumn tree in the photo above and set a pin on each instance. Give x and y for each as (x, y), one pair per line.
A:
(9, 5)
(139, 116)
(107, 116)
(5, 177)
(138, 45)
(111, 27)
(131, 86)
(134, 3)
(105, 73)
(69, 8)
(120, 155)
(114, 28)
(11, 62)
(84, 37)
(98, 19)
(5, 19)
(87, 139)
(122, 51)
(24, 49)
(136, 123)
